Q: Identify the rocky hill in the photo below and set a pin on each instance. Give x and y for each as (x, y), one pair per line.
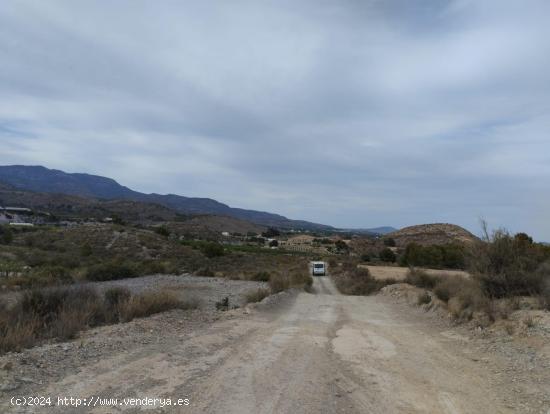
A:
(41, 179)
(428, 234)
(70, 207)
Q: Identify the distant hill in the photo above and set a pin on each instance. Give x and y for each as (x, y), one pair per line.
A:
(427, 234)
(44, 180)
(382, 230)
(72, 207)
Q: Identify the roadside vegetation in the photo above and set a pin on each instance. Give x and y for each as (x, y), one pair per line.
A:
(352, 280)
(503, 269)
(60, 313)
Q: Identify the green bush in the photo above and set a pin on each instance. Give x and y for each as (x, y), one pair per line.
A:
(510, 266)
(387, 255)
(423, 298)
(451, 256)
(211, 249)
(6, 235)
(111, 271)
(162, 230)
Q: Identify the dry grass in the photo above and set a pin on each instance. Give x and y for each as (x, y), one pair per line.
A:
(421, 279)
(351, 280)
(150, 303)
(295, 278)
(61, 313)
(400, 273)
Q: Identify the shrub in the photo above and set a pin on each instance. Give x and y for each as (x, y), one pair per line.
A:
(286, 280)
(61, 313)
(260, 277)
(162, 230)
(50, 275)
(211, 249)
(117, 296)
(271, 232)
(390, 242)
(359, 281)
(111, 271)
(6, 235)
(341, 246)
(150, 303)
(365, 258)
(223, 304)
(424, 298)
(256, 295)
(387, 255)
(508, 266)
(421, 279)
(451, 256)
(206, 272)
(49, 313)
(86, 250)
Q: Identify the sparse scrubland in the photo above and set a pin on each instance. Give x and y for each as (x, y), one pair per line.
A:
(60, 313)
(502, 268)
(46, 268)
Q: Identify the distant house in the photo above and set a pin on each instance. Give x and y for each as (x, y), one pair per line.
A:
(225, 234)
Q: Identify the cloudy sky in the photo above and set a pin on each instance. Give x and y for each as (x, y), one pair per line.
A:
(351, 113)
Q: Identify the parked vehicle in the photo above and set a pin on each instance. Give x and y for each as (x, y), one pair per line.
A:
(318, 268)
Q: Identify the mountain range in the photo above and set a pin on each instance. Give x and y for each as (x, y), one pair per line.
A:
(40, 179)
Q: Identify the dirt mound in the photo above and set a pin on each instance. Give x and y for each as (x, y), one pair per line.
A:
(428, 234)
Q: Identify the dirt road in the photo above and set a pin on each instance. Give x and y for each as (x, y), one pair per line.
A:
(317, 353)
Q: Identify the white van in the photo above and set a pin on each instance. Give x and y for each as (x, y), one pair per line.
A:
(318, 268)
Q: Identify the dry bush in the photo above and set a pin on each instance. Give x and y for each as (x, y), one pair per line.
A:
(16, 332)
(358, 281)
(529, 321)
(294, 278)
(61, 313)
(260, 277)
(510, 265)
(150, 303)
(279, 282)
(423, 298)
(421, 279)
(468, 299)
(256, 295)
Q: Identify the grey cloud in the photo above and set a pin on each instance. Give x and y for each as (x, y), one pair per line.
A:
(349, 113)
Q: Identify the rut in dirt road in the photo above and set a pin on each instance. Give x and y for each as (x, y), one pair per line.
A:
(319, 353)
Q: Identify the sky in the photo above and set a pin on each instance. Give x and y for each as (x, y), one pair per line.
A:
(350, 113)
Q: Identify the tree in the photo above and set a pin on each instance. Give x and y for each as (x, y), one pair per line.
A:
(212, 249)
(273, 243)
(271, 232)
(387, 255)
(6, 235)
(341, 246)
